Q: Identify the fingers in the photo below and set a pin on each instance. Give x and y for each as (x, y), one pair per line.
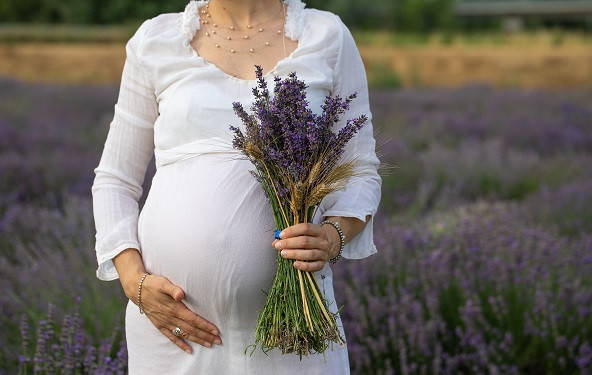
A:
(191, 325)
(302, 242)
(182, 312)
(210, 331)
(162, 305)
(176, 340)
(306, 244)
(306, 260)
(198, 336)
(172, 290)
(310, 266)
(304, 254)
(302, 229)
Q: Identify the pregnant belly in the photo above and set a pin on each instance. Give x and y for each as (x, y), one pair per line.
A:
(207, 226)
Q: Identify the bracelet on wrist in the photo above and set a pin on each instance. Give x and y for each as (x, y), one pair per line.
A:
(140, 292)
(336, 225)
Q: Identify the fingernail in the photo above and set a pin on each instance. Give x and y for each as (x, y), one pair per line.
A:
(207, 344)
(217, 342)
(188, 351)
(282, 234)
(215, 332)
(277, 244)
(282, 253)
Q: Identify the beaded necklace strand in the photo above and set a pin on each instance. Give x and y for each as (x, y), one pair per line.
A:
(211, 31)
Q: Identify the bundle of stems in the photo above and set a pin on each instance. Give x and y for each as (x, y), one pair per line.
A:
(298, 162)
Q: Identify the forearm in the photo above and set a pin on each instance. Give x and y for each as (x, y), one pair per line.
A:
(350, 226)
(130, 268)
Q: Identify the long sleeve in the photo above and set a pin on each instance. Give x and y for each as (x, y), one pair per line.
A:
(128, 149)
(362, 195)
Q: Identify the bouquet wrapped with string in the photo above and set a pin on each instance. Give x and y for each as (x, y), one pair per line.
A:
(298, 162)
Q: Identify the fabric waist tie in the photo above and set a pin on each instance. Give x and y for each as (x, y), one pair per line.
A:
(195, 148)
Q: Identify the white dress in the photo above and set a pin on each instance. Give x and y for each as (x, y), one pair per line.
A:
(206, 224)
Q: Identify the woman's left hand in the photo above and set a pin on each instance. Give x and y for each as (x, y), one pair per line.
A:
(310, 245)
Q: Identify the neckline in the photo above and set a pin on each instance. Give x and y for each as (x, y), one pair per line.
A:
(190, 23)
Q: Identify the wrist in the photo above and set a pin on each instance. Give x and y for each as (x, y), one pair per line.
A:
(130, 270)
(333, 238)
(336, 240)
(130, 285)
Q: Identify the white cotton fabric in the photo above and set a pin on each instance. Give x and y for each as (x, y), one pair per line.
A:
(206, 224)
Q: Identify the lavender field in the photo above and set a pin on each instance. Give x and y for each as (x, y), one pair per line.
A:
(484, 235)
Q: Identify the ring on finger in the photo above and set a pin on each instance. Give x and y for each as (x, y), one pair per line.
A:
(177, 331)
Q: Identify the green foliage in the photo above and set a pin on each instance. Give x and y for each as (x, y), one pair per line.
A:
(383, 75)
(407, 15)
(85, 11)
(451, 299)
(400, 15)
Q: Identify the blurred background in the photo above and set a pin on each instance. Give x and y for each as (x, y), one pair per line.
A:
(483, 107)
(405, 43)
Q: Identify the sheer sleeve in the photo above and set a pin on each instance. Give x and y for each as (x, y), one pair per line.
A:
(362, 194)
(128, 149)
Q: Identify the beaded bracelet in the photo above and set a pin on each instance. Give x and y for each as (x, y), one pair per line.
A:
(341, 238)
(140, 292)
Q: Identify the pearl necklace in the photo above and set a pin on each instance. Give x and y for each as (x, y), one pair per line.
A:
(211, 31)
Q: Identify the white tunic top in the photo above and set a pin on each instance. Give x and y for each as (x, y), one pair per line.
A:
(206, 224)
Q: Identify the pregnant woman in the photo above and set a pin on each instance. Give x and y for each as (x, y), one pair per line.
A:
(196, 260)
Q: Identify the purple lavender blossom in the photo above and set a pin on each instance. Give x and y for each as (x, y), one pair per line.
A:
(70, 352)
(462, 291)
(289, 134)
(466, 155)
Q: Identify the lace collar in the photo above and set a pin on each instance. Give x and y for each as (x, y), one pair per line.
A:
(190, 19)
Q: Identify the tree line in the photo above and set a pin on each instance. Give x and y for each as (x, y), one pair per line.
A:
(409, 15)
(394, 15)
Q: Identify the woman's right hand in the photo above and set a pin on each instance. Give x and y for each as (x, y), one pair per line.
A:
(161, 303)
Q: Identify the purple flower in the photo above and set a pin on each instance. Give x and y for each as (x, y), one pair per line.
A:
(71, 351)
(291, 137)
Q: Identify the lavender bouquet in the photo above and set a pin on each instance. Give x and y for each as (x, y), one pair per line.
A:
(297, 160)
